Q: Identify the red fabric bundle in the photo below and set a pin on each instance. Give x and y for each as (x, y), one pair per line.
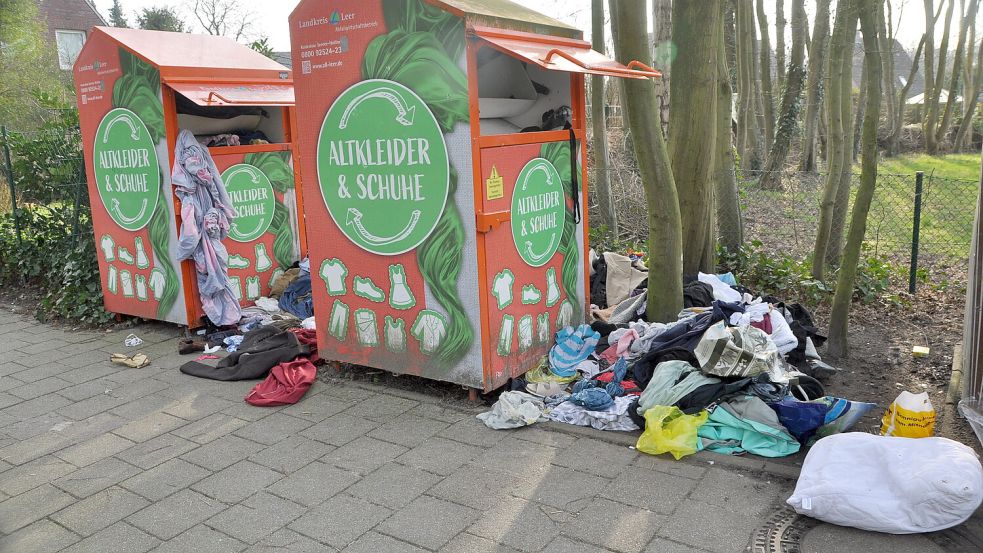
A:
(764, 324)
(285, 385)
(308, 337)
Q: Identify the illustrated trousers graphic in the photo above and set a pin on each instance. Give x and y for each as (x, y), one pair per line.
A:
(112, 282)
(157, 283)
(543, 327)
(141, 287)
(400, 295)
(365, 325)
(552, 288)
(525, 332)
(108, 246)
(143, 260)
(236, 287)
(505, 335)
(395, 334)
(263, 262)
(252, 288)
(126, 283)
(338, 321)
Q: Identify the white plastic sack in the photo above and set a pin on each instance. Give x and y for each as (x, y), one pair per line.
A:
(886, 484)
(512, 410)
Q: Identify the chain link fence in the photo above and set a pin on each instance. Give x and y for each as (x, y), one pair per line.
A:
(784, 220)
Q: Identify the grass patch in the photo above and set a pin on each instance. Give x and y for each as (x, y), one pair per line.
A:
(955, 166)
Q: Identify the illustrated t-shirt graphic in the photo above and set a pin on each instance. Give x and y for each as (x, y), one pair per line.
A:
(107, 245)
(333, 272)
(429, 329)
(502, 288)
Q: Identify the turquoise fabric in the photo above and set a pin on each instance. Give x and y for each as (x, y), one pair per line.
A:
(742, 425)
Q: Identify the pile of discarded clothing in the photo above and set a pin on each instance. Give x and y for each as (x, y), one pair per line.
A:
(734, 373)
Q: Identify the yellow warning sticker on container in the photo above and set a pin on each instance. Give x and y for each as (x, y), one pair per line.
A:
(494, 185)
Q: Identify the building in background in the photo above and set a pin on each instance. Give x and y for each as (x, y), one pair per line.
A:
(68, 23)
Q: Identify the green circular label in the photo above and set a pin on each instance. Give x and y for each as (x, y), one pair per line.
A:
(538, 212)
(252, 198)
(126, 169)
(382, 166)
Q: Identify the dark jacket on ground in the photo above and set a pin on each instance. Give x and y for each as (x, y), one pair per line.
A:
(261, 350)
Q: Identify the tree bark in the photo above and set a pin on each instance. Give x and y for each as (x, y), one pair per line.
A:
(748, 143)
(966, 125)
(695, 28)
(814, 85)
(966, 19)
(898, 126)
(841, 206)
(780, 40)
(885, 29)
(764, 68)
(840, 58)
(858, 119)
(602, 183)
(838, 344)
(933, 84)
(664, 52)
(729, 219)
(665, 278)
(794, 82)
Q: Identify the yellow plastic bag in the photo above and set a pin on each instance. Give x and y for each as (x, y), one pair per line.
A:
(668, 430)
(909, 416)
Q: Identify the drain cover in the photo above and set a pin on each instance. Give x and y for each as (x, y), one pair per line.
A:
(782, 533)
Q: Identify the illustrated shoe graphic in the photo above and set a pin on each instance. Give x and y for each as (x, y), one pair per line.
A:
(236, 287)
(126, 281)
(141, 287)
(395, 335)
(365, 288)
(531, 295)
(124, 255)
(552, 289)
(252, 288)
(263, 262)
(365, 325)
(112, 281)
(236, 261)
(157, 283)
(400, 295)
(143, 261)
(107, 245)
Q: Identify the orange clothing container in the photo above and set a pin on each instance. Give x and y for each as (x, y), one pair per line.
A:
(446, 201)
(136, 90)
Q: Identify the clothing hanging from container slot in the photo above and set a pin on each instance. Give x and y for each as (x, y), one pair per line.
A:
(206, 213)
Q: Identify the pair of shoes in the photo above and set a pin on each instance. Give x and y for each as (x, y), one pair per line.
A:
(137, 361)
(187, 346)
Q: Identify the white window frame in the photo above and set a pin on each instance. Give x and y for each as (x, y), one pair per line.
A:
(63, 55)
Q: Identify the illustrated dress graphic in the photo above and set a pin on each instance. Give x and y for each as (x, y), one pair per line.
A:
(400, 295)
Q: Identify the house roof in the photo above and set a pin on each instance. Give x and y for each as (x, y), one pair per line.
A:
(283, 58)
(193, 55)
(504, 14)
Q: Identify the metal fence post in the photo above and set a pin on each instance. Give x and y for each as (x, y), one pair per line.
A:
(915, 228)
(10, 182)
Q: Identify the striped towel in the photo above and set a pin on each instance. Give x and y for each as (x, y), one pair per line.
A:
(573, 345)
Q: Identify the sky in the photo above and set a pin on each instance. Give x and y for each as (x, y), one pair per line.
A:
(271, 15)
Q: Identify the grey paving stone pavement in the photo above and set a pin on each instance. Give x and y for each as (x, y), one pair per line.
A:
(95, 458)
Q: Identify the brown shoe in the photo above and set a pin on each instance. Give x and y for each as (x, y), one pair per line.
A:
(187, 346)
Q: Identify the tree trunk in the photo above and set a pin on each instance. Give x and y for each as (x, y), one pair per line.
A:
(771, 179)
(933, 85)
(764, 67)
(858, 118)
(966, 125)
(838, 344)
(780, 40)
(665, 278)
(840, 57)
(696, 28)
(814, 86)
(748, 144)
(602, 183)
(898, 126)
(665, 51)
(841, 206)
(885, 29)
(729, 220)
(966, 19)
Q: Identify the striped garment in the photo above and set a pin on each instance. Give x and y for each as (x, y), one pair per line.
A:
(573, 345)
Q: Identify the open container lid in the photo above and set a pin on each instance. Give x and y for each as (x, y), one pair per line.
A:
(219, 94)
(560, 54)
